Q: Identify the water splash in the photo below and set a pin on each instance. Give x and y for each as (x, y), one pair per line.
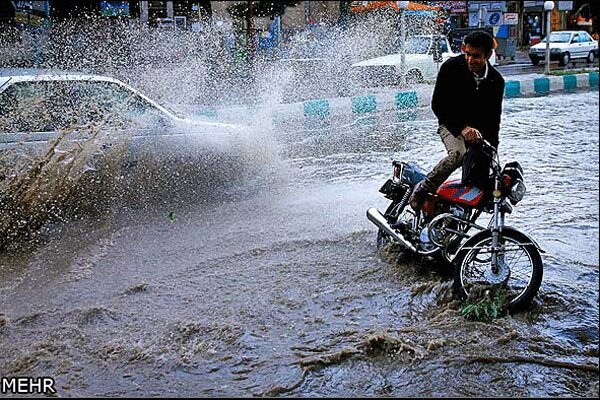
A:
(81, 171)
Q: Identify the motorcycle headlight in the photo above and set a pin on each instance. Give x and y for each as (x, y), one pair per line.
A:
(517, 192)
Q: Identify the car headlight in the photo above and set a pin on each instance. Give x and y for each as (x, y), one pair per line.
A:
(517, 192)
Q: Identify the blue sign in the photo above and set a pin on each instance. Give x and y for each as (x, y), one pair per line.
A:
(494, 18)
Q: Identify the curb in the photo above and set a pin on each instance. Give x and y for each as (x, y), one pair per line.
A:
(549, 84)
(406, 103)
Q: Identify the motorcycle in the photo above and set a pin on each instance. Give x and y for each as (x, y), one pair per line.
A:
(446, 227)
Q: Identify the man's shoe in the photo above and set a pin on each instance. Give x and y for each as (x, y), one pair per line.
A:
(417, 198)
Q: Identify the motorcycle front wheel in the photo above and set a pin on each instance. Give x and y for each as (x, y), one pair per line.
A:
(520, 267)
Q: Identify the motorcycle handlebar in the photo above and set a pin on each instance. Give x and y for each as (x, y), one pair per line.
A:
(487, 148)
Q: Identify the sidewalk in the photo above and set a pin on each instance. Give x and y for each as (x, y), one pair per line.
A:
(521, 57)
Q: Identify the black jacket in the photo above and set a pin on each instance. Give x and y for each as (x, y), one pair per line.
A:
(457, 102)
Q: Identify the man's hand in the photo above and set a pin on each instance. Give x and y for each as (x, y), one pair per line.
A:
(471, 134)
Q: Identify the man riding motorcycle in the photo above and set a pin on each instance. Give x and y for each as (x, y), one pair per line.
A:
(467, 100)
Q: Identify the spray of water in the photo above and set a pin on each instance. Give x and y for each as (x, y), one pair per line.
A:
(82, 169)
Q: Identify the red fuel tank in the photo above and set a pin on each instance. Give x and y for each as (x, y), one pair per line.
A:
(456, 192)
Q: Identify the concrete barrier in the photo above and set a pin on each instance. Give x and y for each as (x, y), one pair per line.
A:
(407, 101)
(547, 84)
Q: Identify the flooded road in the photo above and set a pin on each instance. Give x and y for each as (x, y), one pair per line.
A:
(276, 286)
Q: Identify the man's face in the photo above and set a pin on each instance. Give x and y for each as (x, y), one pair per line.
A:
(476, 58)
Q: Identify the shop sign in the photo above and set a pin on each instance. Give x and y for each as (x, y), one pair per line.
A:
(565, 5)
(495, 18)
(488, 19)
(533, 4)
(511, 18)
(31, 13)
(488, 5)
(458, 7)
(113, 8)
(40, 6)
(455, 7)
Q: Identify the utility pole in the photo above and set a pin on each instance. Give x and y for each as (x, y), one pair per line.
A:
(548, 7)
(144, 12)
(307, 13)
(482, 13)
(402, 6)
(344, 11)
(170, 10)
(250, 32)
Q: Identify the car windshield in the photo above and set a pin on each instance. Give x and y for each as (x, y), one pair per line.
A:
(45, 106)
(559, 37)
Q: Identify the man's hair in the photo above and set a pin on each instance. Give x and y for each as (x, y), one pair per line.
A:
(481, 40)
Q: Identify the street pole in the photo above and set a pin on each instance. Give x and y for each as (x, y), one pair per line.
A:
(36, 47)
(402, 5)
(307, 13)
(170, 10)
(144, 13)
(344, 10)
(277, 31)
(548, 7)
(482, 11)
(250, 33)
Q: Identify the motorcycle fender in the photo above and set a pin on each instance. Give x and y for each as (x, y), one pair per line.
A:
(535, 243)
(504, 229)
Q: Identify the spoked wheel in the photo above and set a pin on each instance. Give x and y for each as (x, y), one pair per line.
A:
(519, 271)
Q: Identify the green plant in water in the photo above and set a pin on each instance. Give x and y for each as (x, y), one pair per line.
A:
(171, 216)
(573, 71)
(484, 304)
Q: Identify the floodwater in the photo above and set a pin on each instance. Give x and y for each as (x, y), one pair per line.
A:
(273, 285)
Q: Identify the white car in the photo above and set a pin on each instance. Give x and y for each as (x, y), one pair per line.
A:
(165, 24)
(423, 58)
(71, 125)
(89, 138)
(566, 46)
(35, 108)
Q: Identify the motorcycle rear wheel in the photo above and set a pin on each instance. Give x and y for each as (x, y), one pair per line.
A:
(395, 212)
(383, 238)
(520, 273)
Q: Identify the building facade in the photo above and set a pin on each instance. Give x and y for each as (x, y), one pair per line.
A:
(523, 21)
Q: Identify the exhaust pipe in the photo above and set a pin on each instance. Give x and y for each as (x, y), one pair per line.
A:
(378, 219)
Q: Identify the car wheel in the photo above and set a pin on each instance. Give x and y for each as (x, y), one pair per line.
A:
(564, 60)
(591, 56)
(414, 76)
(535, 60)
